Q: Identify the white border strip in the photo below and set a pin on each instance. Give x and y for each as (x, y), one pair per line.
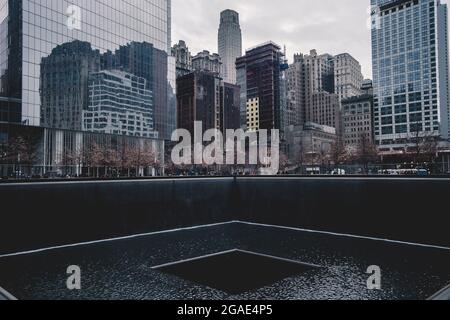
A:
(7, 295)
(280, 259)
(442, 295)
(214, 225)
(141, 235)
(345, 235)
(231, 251)
(193, 259)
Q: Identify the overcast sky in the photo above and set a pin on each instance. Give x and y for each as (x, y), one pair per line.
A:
(330, 26)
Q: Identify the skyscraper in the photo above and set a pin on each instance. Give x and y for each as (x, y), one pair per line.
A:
(230, 43)
(348, 77)
(410, 71)
(204, 96)
(357, 120)
(30, 44)
(311, 87)
(241, 78)
(50, 49)
(229, 106)
(263, 75)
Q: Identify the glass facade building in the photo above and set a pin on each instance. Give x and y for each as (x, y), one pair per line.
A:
(410, 71)
(128, 35)
(263, 67)
(229, 43)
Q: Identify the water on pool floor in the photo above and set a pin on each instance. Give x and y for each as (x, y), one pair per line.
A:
(123, 269)
(235, 272)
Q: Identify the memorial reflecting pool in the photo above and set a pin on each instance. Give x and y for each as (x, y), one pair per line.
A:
(124, 269)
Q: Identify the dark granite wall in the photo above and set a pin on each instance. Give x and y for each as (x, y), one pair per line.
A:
(41, 215)
(413, 210)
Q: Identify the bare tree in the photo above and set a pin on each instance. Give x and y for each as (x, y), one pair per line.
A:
(110, 160)
(338, 154)
(94, 158)
(22, 150)
(425, 146)
(284, 162)
(72, 158)
(366, 152)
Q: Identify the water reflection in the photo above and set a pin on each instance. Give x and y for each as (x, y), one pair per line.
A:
(122, 269)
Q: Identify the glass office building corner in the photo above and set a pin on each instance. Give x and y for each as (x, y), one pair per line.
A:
(443, 62)
(410, 71)
(172, 98)
(10, 61)
(50, 52)
(35, 29)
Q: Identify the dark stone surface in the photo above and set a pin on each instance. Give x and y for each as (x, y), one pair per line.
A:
(48, 214)
(235, 272)
(122, 269)
(413, 210)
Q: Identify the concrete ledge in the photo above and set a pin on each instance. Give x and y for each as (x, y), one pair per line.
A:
(5, 295)
(443, 295)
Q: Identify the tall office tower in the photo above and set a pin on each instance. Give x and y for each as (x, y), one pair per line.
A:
(311, 89)
(183, 58)
(410, 71)
(204, 61)
(357, 119)
(263, 68)
(25, 44)
(229, 106)
(10, 62)
(296, 93)
(203, 96)
(319, 71)
(48, 52)
(325, 110)
(171, 96)
(348, 77)
(230, 44)
(119, 103)
(286, 112)
(241, 81)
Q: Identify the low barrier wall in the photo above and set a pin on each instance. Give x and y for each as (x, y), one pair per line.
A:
(37, 215)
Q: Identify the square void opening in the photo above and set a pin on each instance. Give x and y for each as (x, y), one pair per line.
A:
(236, 271)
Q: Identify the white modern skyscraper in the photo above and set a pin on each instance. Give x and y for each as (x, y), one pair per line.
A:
(230, 43)
(410, 70)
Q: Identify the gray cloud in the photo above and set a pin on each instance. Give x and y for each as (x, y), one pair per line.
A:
(331, 26)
